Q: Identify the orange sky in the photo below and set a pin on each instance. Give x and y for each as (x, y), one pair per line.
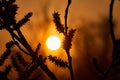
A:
(81, 11)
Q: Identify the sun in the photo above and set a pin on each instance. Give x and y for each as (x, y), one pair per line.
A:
(53, 42)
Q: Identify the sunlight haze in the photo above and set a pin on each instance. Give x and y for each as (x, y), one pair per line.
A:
(88, 17)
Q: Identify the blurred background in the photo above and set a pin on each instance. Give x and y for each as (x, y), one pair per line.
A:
(91, 40)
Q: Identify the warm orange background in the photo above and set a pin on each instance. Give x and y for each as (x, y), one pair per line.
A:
(84, 15)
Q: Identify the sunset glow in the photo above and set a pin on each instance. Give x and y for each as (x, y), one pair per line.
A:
(53, 42)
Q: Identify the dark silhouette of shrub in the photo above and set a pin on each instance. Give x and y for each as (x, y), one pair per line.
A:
(8, 10)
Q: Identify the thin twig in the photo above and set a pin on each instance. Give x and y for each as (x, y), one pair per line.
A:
(70, 65)
(24, 42)
(13, 35)
(111, 21)
(67, 51)
(22, 49)
(66, 14)
(112, 36)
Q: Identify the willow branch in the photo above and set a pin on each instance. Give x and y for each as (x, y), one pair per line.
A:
(35, 58)
(14, 36)
(112, 35)
(66, 14)
(48, 72)
(70, 65)
(24, 42)
(22, 49)
(67, 51)
(111, 21)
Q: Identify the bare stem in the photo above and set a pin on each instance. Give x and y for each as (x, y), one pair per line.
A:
(67, 51)
(66, 14)
(111, 20)
(70, 65)
(24, 42)
(112, 36)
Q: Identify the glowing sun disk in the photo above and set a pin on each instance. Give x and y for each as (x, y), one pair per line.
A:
(53, 42)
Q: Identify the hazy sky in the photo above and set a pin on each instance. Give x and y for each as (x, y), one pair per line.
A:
(81, 11)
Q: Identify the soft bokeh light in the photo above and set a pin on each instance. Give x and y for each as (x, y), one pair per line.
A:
(53, 42)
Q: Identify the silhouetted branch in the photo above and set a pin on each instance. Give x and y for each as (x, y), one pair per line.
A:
(8, 12)
(58, 61)
(67, 43)
(10, 44)
(37, 48)
(111, 20)
(66, 14)
(24, 42)
(17, 44)
(4, 56)
(112, 35)
(7, 70)
(34, 56)
(59, 25)
(70, 65)
(26, 74)
(15, 64)
(21, 59)
(4, 74)
(67, 51)
(24, 20)
(68, 36)
(116, 46)
(116, 50)
(14, 36)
